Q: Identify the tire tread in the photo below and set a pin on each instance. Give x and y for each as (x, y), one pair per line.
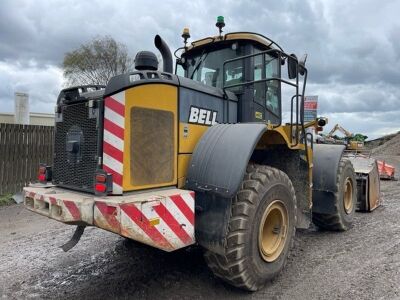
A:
(234, 266)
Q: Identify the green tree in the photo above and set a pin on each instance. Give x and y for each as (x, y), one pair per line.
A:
(96, 62)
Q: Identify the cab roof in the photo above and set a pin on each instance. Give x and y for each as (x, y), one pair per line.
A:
(250, 36)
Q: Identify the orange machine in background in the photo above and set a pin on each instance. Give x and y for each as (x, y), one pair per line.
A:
(385, 171)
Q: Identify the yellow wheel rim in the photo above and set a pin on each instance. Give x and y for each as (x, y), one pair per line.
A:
(273, 231)
(348, 196)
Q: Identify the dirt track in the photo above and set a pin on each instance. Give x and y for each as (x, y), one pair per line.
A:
(363, 263)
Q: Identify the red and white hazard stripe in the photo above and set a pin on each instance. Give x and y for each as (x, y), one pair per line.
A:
(164, 219)
(166, 223)
(72, 210)
(69, 209)
(106, 215)
(113, 144)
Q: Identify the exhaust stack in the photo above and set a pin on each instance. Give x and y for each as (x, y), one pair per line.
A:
(166, 54)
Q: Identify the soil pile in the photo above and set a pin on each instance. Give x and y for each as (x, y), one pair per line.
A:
(391, 147)
(371, 144)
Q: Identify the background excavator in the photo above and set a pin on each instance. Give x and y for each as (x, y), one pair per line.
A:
(352, 141)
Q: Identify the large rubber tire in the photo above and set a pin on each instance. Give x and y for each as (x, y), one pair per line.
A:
(342, 219)
(242, 265)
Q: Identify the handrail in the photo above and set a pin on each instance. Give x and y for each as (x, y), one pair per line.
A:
(297, 120)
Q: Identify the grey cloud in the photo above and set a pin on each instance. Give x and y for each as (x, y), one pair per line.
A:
(356, 98)
(372, 124)
(42, 84)
(354, 53)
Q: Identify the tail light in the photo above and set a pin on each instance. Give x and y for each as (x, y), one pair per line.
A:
(102, 183)
(45, 173)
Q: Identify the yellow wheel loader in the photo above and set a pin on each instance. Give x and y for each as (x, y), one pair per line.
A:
(198, 156)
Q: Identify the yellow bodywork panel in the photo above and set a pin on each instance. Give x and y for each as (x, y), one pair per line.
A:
(189, 135)
(183, 164)
(160, 103)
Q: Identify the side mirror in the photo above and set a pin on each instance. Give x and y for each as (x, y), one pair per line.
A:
(182, 62)
(292, 66)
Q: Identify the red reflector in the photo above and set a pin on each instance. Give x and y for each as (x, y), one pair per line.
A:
(101, 178)
(100, 187)
(42, 177)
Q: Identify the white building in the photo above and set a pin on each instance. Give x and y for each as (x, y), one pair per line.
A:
(34, 118)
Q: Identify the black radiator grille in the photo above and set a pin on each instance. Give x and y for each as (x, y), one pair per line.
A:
(76, 170)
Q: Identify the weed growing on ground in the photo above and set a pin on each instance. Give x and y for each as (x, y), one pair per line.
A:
(6, 199)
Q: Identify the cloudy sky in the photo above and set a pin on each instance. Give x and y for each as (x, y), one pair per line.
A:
(353, 47)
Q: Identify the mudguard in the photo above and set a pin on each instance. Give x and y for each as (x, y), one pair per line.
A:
(326, 160)
(215, 173)
(221, 157)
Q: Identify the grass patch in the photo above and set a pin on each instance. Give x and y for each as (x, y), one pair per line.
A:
(6, 200)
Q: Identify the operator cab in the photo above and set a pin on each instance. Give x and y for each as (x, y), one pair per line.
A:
(246, 64)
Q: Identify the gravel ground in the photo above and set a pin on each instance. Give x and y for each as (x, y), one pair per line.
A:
(362, 263)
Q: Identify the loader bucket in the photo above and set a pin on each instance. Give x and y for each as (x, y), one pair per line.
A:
(368, 184)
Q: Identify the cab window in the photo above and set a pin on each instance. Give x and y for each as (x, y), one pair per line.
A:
(180, 71)
(266, 93)
(272, 97)
(207, 67)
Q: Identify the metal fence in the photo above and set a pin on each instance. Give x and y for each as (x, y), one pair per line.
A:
(22, 148)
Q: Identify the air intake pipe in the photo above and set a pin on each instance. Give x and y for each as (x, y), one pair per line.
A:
(166, 54)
